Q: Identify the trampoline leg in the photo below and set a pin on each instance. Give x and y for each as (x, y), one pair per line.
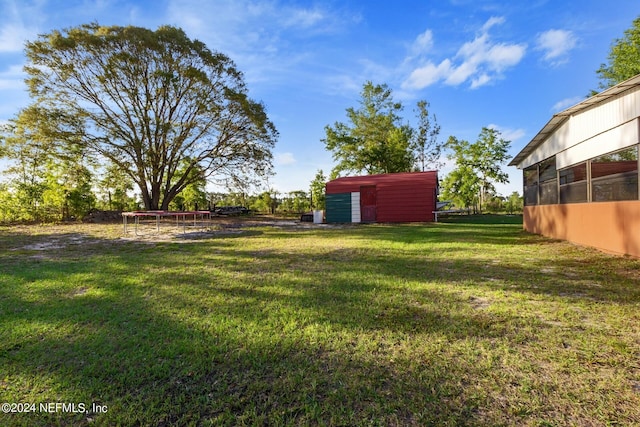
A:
(137, 221)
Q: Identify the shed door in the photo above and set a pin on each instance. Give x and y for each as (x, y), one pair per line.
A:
(368, 203)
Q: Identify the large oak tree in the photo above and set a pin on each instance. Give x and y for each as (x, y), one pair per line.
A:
(159, 106)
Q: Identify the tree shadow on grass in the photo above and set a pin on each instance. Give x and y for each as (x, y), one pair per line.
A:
(190, 360)
(438, 233)
(211, 332)
(174, 350)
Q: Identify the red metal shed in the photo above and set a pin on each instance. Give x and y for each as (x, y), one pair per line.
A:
(394, 197)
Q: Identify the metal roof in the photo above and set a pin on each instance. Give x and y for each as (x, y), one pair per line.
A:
(559, 118)
(353, 183)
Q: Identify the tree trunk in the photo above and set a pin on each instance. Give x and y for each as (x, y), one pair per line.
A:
(155, 196)
(165, 204)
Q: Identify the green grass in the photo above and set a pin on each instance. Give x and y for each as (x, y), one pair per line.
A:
(456, 323)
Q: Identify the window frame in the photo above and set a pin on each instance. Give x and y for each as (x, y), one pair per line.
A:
(548, 193)
(602, 179)
(573, 184)
(533, 187)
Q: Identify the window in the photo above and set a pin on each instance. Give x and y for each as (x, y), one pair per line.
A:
(530, 180)
(548, 182)
(615, 176)
(573, 184)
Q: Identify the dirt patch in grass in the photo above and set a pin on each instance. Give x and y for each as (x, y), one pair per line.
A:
(52, 237)
(479, 303)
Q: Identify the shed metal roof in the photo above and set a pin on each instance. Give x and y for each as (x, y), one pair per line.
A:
(559, 118)
(350, 183)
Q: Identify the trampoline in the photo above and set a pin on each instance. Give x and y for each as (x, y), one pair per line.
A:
(183, 219)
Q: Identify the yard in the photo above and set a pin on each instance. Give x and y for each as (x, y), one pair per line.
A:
(455, 323)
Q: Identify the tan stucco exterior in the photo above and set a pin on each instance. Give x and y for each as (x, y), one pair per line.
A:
(610, 226)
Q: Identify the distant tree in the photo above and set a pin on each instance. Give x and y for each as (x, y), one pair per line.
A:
(299, 201)
(275, 200)
(428, 148)
(29, 152)
(194, 195)
(235, 199)
(462, 187)
(266, 202)
(215, 199)
(483, 160)
(317, 190)
(261, 203)
(68, 190)
(624, 58)
(51, 176)
(149, 101)
(514, 203)
(116, 185)
(495, 204)
(375, 140)
(7, 204)
(294, 202)
(488, 156)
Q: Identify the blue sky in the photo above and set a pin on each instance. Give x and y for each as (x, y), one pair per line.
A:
(508, 64)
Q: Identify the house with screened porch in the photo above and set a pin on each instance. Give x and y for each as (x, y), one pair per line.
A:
(580, 172)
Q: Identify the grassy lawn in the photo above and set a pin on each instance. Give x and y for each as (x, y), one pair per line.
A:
(454, 323)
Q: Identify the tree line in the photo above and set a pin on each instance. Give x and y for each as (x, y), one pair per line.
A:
(118, 111)
(377, 139)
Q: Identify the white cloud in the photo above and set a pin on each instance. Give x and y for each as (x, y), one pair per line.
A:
(423, 43)
(282, 159)
(17, 24)
(263, 37)
(494, 20)
(12, 78)
(507, 133)
(13, 90)
(480, 81)
(238, 25)
(566, 103)
(428, 75)
(556, 45)
(502, 56)
(304, 18)
(14, 36)
(340, 84)
(479, 62)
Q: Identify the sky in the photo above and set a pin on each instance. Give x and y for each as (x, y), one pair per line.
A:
(505, 64)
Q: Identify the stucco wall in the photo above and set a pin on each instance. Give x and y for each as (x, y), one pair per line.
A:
(609, 226)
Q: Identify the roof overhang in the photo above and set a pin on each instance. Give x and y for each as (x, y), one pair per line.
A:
(559, 118)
